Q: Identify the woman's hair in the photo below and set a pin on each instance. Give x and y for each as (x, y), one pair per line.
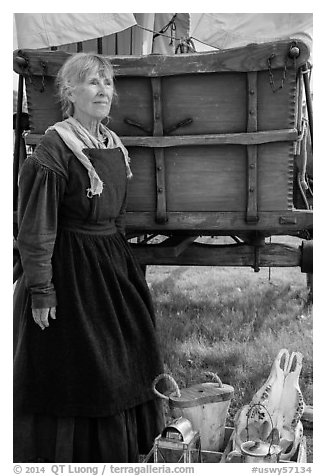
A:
(75, 70)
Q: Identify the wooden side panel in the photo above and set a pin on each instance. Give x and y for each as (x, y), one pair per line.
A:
(216, 103)
(142, 187)
(276, 161)
(275, 175)
(134, 102)
(276, 110)
(43, 107)
(206, 178)
(211, 178)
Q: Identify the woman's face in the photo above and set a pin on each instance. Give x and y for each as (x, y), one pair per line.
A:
(92, 98)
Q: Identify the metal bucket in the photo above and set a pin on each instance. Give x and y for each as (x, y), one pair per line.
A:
(205, 405)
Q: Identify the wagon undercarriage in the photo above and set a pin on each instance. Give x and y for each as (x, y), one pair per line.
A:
(193, 250)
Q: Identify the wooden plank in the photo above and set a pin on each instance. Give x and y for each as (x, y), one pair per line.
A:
(252, 151)
(277, 110)
(161, 211)
(205, 178)
(274, 173)
(270, 255)
(157, 106)
(142, 188)
(209, 178)
(281, 222)
(241, 138)
(249, 58)
(215, 102)
(243, 59)
(135, 102)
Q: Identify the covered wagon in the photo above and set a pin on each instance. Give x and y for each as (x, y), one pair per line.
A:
(218, 143)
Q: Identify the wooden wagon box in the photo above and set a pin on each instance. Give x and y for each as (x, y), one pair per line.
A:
(211, 136)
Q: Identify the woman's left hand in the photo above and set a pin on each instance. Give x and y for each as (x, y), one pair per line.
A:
(41, 316)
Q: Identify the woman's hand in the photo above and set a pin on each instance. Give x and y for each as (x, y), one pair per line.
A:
(41, 316)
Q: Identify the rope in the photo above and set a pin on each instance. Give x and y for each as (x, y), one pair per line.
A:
(158, 33)
(215, 378)
(169, 377)
(164, 28)
(213, 375)
(203, 42)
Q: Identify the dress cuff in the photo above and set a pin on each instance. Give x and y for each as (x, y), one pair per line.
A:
(41, 301)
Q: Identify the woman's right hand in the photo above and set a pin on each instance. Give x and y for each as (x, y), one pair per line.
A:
(41, 316)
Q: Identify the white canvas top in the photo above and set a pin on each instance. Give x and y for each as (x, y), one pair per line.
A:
(42, 30)
(231, 30)
(219, 30)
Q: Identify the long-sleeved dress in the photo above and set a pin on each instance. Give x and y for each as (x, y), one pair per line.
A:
(88, 376)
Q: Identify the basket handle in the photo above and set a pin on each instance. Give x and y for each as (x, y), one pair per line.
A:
(174, 383)
(215, 378)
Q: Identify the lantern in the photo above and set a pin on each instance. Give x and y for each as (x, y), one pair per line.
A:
(178, 443)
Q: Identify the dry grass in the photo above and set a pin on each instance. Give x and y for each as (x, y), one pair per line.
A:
(231, 321)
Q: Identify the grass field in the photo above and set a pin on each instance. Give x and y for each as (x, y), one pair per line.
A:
(233, 322)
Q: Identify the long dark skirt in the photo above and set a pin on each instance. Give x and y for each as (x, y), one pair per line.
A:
(83, 386)
(101, 354)
(119, 438)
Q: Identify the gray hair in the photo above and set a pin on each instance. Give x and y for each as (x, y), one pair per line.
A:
(75, 70)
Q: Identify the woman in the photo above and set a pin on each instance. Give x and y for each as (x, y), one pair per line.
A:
(86, 352)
